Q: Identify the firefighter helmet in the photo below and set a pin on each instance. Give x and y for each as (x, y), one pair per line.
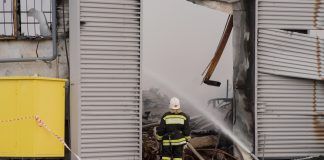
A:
(174, 103)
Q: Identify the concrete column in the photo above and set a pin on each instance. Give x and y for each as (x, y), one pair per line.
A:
(243, 80)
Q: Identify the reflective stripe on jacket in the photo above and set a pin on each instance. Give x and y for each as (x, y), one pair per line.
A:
(173, 129)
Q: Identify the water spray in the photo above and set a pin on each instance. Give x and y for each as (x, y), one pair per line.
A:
(204, 111)
(253, 156)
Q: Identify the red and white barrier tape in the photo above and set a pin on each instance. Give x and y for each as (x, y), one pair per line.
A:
(18, 119)
(41, 123)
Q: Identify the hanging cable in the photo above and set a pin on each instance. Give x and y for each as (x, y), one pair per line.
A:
(65, 43)
(67, 133)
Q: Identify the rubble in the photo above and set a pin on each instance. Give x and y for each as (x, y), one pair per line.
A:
(208, 146)
(151, 147)
(206, 140)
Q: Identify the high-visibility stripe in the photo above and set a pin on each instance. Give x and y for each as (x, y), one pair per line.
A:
(166, 158)
(174, 140)
(177, 158)
(174, 121)
(175, 116)
(188, 138)
(158, 137)
(174, 144)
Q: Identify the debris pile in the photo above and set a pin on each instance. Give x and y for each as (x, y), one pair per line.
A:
(151, 147)
(208, 143)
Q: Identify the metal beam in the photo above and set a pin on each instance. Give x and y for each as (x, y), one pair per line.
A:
(219, 51)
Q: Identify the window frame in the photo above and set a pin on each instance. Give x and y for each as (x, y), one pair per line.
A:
(16, 34)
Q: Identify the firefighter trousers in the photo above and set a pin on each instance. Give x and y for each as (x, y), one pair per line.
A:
(172, 151)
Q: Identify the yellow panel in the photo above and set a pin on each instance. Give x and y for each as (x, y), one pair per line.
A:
(25, 97)
(56, 123)
(9, 110)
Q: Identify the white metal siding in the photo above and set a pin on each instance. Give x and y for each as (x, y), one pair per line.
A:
(110, 97)
(290, 54)
(291, 14)
(289, 68)
(289, 117)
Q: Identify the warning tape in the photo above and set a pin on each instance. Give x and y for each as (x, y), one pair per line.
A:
(18, 119)
(41, 123)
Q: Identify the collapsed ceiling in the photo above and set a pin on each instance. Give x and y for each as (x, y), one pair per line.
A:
(225, 1)
(220, 5)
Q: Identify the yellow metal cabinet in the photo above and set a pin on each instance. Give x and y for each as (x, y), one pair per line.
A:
(21, 99)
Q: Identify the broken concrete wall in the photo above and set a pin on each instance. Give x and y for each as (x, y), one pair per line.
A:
(243, 76)
(220, 6)
(28, 48)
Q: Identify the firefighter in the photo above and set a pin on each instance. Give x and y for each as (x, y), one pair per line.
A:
(173, 131)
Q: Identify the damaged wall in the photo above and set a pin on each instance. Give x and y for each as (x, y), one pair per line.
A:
(243, 65)
(243, 77)
(220, 6)
(289, 79)
(28, 48)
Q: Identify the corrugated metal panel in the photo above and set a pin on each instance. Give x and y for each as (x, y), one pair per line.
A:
(289, 117)
(291, 14)
(109, 79)
(289, 67)
(290, 54)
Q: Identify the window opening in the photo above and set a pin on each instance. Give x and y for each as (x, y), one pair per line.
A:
(25, 19)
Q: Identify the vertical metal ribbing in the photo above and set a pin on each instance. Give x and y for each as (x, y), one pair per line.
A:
(110, 72)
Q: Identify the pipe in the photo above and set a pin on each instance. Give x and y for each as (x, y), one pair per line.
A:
(212, 83)
(226, 89)
(54, 38)
(195, 151)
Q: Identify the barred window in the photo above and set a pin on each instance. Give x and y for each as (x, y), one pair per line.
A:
(25, 19)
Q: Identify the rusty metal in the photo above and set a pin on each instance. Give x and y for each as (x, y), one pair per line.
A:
(316, 117)
(15, 19)
(291, 54)
(292, 14)
(316, 11)
(219, 51)
(318, 56)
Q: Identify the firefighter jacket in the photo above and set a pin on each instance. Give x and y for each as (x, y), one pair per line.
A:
(174, 129)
